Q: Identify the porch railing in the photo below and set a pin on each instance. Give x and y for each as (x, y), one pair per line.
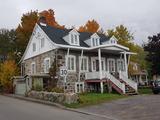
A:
(106, 74)
(116, 81)
(92, 75)
(130, 82)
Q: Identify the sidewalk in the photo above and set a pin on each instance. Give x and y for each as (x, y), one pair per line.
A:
(56, 105)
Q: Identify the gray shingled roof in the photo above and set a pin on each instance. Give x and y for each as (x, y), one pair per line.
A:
(56, 35)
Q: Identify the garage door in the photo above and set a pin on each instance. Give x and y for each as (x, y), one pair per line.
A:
(20, 89)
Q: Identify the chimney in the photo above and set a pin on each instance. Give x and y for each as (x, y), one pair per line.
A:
(42, 21)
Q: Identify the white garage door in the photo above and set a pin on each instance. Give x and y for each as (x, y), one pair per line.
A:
(20, 89)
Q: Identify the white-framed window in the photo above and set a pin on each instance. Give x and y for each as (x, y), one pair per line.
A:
(46, 65)
(71, 62)
(34, 47)
(95, 64)
(84, 63)
(79, 87)
(42, 42)
(95, 41)
(33, 68)
(111, 65)
(120, 65)
(74, 39)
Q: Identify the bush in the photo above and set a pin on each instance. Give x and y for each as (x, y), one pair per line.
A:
(57, 90)
(8, 69)
(38, 87)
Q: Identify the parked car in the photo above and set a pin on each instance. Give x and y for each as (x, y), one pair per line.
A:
(156, 86)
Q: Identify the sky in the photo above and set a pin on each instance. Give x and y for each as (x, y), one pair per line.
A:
(141, 17)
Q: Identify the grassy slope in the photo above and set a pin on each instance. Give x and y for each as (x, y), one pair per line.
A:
(94, 98)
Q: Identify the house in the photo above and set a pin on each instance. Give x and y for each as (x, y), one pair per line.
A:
(138, 74)
(92, 60)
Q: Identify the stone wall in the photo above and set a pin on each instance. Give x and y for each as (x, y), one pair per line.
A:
(72, 77)
(54, 97)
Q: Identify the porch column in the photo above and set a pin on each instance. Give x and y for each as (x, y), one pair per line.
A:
(100, 69)
(80, 64)
(125, 63)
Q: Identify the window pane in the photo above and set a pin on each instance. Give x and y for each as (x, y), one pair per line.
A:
(42, 42)
(72, 39)
(34, 47)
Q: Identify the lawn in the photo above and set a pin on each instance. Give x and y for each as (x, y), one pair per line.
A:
(94, 98)
(145, 90)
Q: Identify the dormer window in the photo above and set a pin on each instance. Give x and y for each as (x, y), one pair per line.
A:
(113, 40)
(95, 41)
(74, 39)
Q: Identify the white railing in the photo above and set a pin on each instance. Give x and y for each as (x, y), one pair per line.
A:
(105, 74)
(116, 81)
(130, 82)
(92, 75)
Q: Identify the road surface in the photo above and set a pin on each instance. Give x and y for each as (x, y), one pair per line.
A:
(14, 109)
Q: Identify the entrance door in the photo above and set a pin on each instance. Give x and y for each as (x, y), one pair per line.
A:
(111, 65)
(95, 64)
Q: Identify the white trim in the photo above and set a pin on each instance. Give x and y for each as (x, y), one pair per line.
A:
(44, 62)
(76, 89)
(114, 66)
(96, 58)
(120, 60)
(33, 71)
(84, 57)
(66, 62)
(70, 46)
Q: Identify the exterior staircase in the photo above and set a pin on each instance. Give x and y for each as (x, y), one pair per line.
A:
(126, 86)
(122, 85)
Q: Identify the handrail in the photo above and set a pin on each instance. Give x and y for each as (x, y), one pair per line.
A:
(130, 82)
(116, 81)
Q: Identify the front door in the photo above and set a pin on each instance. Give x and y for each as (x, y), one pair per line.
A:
(95, 64)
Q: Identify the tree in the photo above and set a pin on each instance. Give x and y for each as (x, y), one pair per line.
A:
(28, 21)
(50, 18)
(91, 26)
(25, 28)
(7, 42)
(8, 69)
(53, 73)
(125, 38)
(153, 49)
(122, 34)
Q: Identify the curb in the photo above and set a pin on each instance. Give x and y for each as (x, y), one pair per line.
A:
(56, 105)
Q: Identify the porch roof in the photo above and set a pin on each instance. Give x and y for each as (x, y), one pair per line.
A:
(106, 47)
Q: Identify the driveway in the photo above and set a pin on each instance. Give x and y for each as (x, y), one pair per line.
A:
(140, 107)
(14, 109)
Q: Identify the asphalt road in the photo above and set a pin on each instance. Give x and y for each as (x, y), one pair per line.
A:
(14, 109)
(140, 107)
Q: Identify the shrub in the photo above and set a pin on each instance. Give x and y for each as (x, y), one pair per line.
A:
(7, 70)
(38, 87)
(57, 90)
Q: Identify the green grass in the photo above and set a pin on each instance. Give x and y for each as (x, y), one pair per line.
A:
(145, 90)
(94, 98)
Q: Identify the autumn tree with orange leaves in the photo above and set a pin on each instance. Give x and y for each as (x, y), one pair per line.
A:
(28, 21)
(91, 26)
(8, 69)
(50, 18)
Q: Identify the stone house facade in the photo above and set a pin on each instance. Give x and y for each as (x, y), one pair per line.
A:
(91, 59)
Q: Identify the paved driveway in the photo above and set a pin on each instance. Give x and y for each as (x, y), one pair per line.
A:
(14, 109)
(146, 107)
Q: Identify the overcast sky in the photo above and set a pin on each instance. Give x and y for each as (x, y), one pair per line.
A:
(142, 17)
